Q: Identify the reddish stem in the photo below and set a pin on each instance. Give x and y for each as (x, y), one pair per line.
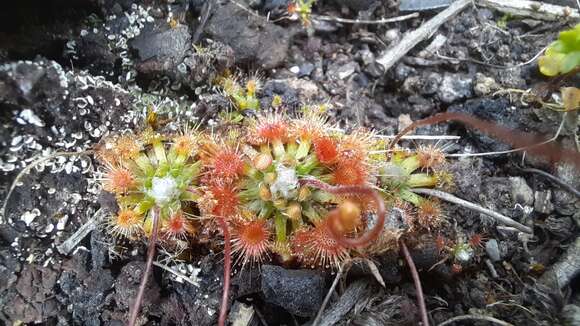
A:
(227, 271)
(549, 151)
(373, 233)
(417, 281)
(150, 255)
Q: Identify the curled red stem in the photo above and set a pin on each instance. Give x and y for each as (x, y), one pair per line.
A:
(370, 235)
(227, 271)
(134, 312)
(417, 281)
(533, 143)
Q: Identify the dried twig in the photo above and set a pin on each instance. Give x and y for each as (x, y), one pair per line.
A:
(552, 178)
(366, 22)
(410, 40)
(175, 273)
(417, 281)
(150, 255)
(491, 65)
(343, 269)
(475, 317)
(68, 245)
(462, 202)
(534, 9)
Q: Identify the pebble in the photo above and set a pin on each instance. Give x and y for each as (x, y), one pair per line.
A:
(295, 69)
(346, 70)
(520, 191)
(455, 87)
(543, 202)
(492, 250)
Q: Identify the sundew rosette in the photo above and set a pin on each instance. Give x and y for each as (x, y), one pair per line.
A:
(151, 174)
(280, 152)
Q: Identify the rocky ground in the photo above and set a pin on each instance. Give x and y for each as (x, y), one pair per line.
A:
(74, 71)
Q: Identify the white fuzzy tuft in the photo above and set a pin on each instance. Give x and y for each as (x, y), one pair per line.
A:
(286, 182)
(163, 190)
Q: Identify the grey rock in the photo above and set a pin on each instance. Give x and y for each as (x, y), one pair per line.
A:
(402, 71)
(521, 192)
(253, 39)
(426, 84)
(344, 71)
(543, 202)
(571, 314)
(484, 85)
(455, 87)
(300, 292)
(564, 202)
(560, 226)
(492, 250)
(305, 69)
(464, 170)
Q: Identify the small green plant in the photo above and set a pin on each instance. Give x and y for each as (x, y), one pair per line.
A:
(302, 9)
(421, 168)
(152, 179)
(563, 55)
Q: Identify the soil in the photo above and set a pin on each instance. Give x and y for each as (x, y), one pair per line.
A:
(72, 72)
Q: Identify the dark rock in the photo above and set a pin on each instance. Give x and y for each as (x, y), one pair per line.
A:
(455, 87)
(127, 285)
(9, 268)
(289, 95)
(247, 281)
(160, 49)
(33, 84)
(99, 250)
(379, 120)
(426, 84)
(389, 267)
(497, 195)
(360, 5)
(190, 305)
(489, 110)
(253, 39)
(478, 297)
(560, 226)
(95, 54)
(33, 299)
(85, 289)
(275, 5)
(300, 292)
(426, 254)
(464, 171)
